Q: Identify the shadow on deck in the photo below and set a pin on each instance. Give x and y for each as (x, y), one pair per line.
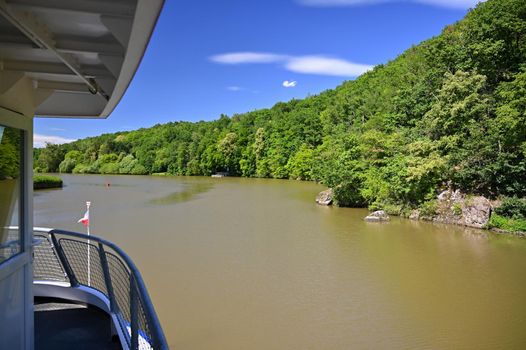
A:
(60, 324)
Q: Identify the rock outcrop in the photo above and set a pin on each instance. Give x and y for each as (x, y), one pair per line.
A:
(452, 207)
(377, 216)
(476, 211)
(450, 195)
(325, 197)
(415, 214)
(455, 207)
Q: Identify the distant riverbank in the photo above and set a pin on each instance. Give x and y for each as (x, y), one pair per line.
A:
(504, 216)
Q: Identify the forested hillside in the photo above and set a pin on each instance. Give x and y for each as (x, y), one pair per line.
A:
(448, 112)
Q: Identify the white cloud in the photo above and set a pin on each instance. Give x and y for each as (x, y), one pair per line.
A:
(321, 65)
(290, 84)
(460, 4)
(234, 88)
(40, 141)
(247, 57)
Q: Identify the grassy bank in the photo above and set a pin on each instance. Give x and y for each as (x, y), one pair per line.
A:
(510, 216)
(507, 224)
(46, 181)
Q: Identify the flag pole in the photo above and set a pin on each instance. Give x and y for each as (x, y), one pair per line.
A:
(88, 204)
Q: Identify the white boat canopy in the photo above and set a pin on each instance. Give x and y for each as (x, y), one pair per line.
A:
(78, 55)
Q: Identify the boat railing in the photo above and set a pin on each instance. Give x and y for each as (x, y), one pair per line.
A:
(76, 261)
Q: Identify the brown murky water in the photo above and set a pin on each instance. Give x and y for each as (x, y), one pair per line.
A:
(256, 264)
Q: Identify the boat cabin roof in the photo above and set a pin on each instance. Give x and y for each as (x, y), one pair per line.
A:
(80, 55)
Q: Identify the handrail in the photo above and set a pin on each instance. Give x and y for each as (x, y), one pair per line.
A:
(137, 295)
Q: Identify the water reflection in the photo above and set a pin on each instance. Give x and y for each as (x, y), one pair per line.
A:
(190, 192)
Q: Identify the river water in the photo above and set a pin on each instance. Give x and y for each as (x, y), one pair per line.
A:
(255, 264)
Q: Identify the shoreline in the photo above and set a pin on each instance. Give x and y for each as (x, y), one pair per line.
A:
(452, 207)
(446, 212)
(495, 230)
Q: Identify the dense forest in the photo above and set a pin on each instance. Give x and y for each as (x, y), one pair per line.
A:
(449, 112)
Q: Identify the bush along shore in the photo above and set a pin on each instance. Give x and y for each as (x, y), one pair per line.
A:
(504, 215)
(46, 181)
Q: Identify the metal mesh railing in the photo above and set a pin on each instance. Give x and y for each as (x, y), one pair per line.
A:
(93, 262)
(84, 261)
(47, 266)
(120, 279)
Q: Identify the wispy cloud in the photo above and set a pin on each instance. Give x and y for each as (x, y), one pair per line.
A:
(326, 66)
(247, 57)
(458, 4)
(57, 129)
(40, 141)
(235, 88)
(321, 65)
(290, 84)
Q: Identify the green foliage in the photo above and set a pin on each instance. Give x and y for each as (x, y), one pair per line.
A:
(71, 159)
(247, 164)
(130, 165)
(49, 158)
(459, 103)
(10, 146)
(301, 163)
(449, 110)
(512, 207)
(457, 209)
(507, 224)
(80, 169)
(339, 165)
(391, 209)
(429, 208)
(46, 181)
(229, 153)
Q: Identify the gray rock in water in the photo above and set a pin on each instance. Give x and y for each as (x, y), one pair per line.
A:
(325, 197)
(377, 216)
(476, 211)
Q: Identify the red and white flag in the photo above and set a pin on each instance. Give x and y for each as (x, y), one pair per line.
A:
(85, 219)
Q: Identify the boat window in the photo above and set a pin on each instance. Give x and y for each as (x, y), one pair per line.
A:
(11, 162)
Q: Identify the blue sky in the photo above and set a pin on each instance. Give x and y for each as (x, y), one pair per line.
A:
(209, 57)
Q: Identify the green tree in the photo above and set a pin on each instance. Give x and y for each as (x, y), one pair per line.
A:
(71, 159)
(50, 157)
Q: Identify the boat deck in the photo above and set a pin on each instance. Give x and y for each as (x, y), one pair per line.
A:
(60, 324)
